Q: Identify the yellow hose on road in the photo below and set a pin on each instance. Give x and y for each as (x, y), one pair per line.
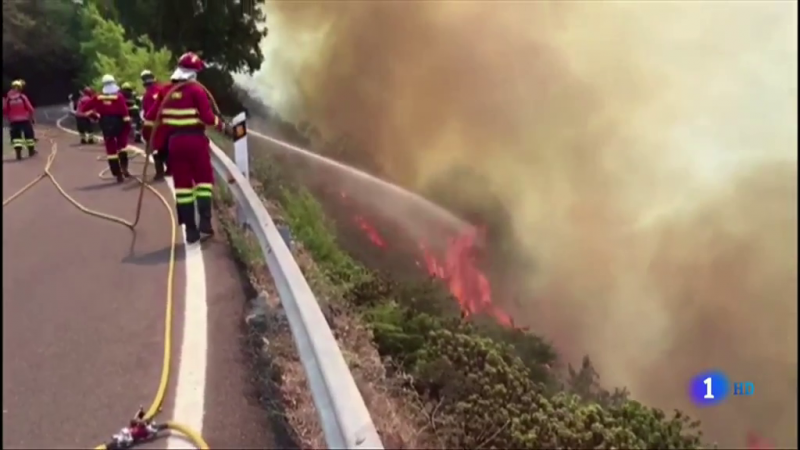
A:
(155, 407)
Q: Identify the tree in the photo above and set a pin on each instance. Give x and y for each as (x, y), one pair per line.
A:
(109, 52)
(41, 39)
(226, 33)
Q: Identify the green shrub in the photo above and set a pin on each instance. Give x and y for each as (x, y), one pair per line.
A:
(310, 226)
(111, 53)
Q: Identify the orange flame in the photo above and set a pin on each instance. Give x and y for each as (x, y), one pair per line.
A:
(457, 267)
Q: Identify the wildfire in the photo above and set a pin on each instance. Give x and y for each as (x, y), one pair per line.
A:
(457, 267)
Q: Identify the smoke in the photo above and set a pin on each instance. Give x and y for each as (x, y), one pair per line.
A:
(646, 150)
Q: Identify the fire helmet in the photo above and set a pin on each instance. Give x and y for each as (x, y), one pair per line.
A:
(190, 61)
(16, 84)
(147, 77)
(108, 79)
(126, 85)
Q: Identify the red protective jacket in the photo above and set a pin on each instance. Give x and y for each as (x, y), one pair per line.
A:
(17, 107)
(110, 105)
(187, 109)
(84, 108)
(149, 99)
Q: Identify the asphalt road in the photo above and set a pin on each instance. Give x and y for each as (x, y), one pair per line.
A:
(83, 314)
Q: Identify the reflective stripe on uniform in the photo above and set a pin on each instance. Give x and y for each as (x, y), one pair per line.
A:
(204, 190)
(126, 119)
(184, 196)
(149, 123)
(107, 97)
(181, 122)
(18, 142)
(30, 142)
(112, 157)
(179, 111)
(180, 117)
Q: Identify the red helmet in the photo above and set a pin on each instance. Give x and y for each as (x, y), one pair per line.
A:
(190, 61)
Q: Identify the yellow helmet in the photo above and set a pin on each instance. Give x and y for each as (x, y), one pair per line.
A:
(17, 84)
(126, 85)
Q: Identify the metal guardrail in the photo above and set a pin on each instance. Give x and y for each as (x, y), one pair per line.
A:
(345, 419)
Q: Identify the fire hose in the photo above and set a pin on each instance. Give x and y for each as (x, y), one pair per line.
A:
(142, 428)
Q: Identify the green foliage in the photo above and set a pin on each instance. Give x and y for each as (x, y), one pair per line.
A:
(222, 31)
(52, 41)
(38, 36)
(111, 53)
(485, 385)
(310, 226)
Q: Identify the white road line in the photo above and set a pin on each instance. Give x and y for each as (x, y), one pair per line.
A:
(191, 385)
(190, 389)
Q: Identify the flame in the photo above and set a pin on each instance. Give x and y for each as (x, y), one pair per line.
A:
(457, 267)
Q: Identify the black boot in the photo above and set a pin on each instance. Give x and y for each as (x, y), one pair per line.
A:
(123, 164)
(186, 218)
(18, 151)
(83, 139)
(204, 211)
(159, 166)
(165, 160)
(113, 165)
(31, 151)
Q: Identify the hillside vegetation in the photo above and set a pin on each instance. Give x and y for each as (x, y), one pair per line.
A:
(430, 377)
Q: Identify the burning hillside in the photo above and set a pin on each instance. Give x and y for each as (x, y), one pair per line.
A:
(645, 151)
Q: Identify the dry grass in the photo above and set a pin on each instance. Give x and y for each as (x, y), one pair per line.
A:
(398, 413)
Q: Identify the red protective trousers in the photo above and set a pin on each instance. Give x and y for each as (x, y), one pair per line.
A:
(190, 162)
(114, 144)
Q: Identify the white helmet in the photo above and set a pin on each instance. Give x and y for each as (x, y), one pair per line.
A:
(146, 73)
(108, 79)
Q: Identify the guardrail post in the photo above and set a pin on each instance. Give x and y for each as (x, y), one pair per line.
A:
(241, 155)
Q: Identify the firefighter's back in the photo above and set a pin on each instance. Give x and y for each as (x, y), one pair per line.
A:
(15, 107)
(179, 108)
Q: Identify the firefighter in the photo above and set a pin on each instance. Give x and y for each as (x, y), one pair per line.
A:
(84, 116)
(23, 84)
(134, 108)
(151, 89)
(19, 112)
(184, 115)
(115, 123)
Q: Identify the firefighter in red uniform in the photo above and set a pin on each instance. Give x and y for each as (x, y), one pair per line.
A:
(151, 89)
(84, 115)
(17, 109)
(184, 115)
(115, 123)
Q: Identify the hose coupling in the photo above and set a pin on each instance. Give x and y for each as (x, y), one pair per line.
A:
(138, 431)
